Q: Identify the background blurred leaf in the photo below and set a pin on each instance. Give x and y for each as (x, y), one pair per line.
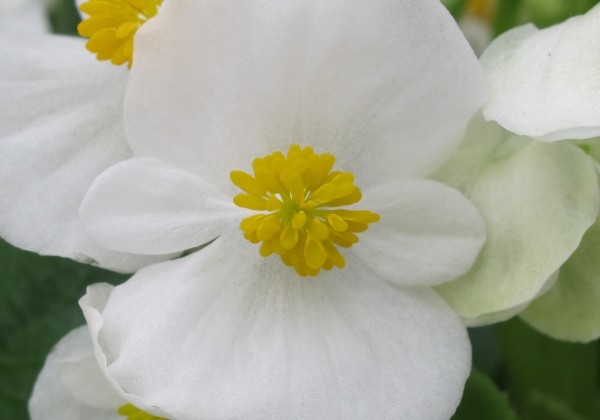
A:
(455, 6)
(542, 406)
(546, 376)
(64, 17)
(506, 15)
(549, 12)
(38, 305)
(483, 400)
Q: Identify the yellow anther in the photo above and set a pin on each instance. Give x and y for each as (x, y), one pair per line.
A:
(336, 222)
(133, 413)
(247, 183)
(299, 220)
(292, 181)
(299, 194)
(111, 26)
(249, 201)
(314, 253)
(289, 237)
(319, 230)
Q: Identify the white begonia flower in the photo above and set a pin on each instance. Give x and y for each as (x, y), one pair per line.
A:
(61, 124)
(383, 89)
(72, 385)
(22, 17)
(545, 83)
(537, 199)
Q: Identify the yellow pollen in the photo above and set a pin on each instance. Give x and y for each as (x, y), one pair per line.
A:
(299, 197)
(133, 413)
(112, 24)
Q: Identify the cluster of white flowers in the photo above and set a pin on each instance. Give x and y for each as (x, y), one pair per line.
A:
(313, 196)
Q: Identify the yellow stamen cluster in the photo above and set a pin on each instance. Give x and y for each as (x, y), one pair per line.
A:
(296, 192)
(112, 24)
(133, 413)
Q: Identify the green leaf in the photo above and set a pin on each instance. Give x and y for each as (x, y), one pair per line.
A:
(64, 17)
(549, 379)
(506, 16)
(483, 400)
(545, 13)
(455, 7)
(38, 305)
(542, 406)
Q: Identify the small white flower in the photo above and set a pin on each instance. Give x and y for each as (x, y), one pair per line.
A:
(384, 88)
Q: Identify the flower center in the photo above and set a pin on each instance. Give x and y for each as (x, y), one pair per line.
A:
(134, 413)
(298, 194)
(112, 24)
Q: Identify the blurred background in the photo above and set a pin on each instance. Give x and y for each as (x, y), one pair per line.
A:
(518, 373)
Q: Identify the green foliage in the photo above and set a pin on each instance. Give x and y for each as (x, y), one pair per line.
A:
(549, 12)
(483, 400)
(38, 305)
(64, 17)
(549, 379)
(455, 7)
(511, 13)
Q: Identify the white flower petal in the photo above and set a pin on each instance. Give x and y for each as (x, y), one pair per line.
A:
(23, 17)
(544, 83)
(92, 303)
(428, 233)
(505, 314)
(386, 86)
(71, 385)
(249, 339)
(146, 206)
(571, 310)
(537, 200)
(60, 126)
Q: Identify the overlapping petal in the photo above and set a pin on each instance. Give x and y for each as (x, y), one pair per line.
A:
(71, 386)
(146, 206)
(249, 339)
(570, 310)
(544, 83)
(428, 233)
(60, 126)
(92, 305)
(387, 88)
(537, 199)
(22, 17)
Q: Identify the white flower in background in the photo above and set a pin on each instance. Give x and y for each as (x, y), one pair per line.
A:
(61, 124)
(72, 385)
(23, 17)
(276, 115)
(538, 197)
(544, 83)
(537, 200)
